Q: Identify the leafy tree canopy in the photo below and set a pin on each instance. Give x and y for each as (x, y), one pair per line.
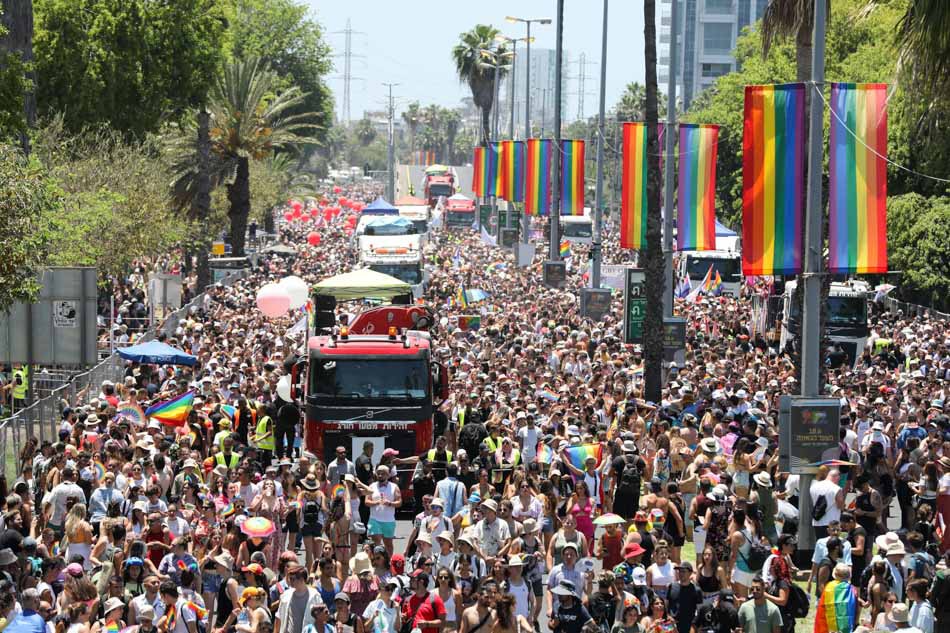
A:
(13, 85)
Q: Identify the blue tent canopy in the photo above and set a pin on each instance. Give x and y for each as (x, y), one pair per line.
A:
(380, 207)
(157, 353)
(389, 220)
(723, 231)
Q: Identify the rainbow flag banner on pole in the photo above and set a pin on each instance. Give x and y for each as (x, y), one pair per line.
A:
(572, 177)
(579, 454)
(537, 188)
(512, 166)
(494, 173)
(837, 608)
(478, 172)
(857, 166)
(172, 412)
(773, 179)
(696, 198)
(565, 249)
(633, 197)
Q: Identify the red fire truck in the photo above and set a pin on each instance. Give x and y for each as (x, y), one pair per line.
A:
(439, 186)
(374, 381)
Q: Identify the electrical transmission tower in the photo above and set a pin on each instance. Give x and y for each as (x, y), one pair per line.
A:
(582, 65)
(348, 77)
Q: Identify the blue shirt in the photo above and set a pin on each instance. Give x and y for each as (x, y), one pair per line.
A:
(27, 622)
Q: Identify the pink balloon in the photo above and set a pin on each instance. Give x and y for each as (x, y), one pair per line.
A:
(337, 189)
(296, 206)
(342, 201)
(313, 238)
(289, 216)
(273, 300)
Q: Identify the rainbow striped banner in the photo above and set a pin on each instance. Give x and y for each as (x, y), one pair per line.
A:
(423, 157)
(478, 172)
(512, 166)
(837, 608)
(696, 198)
(773, 179)
(544, 454)
(537, 188)
(633, 197)
(857, 169)
(579, 454)
(494, 172)
(572, 177)
(172, 412)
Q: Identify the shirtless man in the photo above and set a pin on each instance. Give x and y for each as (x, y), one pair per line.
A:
(480, 617)
(655, 499)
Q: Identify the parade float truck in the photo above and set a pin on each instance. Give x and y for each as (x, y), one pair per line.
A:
(416, 211)
(578, 229)
(438, 186)
(846, 317)
(459, 212)
(398, 256)
(374, 380)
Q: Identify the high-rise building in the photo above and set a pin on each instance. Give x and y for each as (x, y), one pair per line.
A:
(542, 90)
(705, 36)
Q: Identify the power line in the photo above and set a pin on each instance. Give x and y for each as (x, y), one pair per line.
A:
(348, 56)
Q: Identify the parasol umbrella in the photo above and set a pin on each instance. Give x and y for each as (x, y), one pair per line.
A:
(609, 519)
(258, 527)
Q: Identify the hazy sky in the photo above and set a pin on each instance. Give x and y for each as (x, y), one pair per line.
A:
(409, 42)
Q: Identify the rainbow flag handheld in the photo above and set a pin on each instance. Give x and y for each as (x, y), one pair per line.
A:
(572, 177)
(537, 188)
(200, 611)
(565, 249)
(857, 170)
(469, 322)
(112, 627)
(579, 454)
(99, 468)
(837, 608)
(460, 299)
(633, 196)
(512, 166)
(172, 412)
(696, 197)
(547, 394)
(715, 287)
(544, 454)
(773, 179)
(479, 172)
(337, 491)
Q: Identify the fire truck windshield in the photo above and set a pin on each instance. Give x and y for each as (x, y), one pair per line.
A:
(436, 189)
(382, 379)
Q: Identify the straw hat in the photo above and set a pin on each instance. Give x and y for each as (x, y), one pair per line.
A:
(360, 564)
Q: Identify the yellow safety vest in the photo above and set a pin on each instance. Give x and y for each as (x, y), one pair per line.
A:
(268, 443)
(493, 445)
(20, 387)
(431, 455)
(219, 459)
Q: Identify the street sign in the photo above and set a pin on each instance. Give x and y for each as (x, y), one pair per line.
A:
(674, 340)
(613, 275)
(509, 237)
(634, 305)
(810, 434)
(595, 302)
(555, 274)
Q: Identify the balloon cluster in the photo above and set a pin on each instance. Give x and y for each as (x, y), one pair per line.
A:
(291, 293)
(295, 211)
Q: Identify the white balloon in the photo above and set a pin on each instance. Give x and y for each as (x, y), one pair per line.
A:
(283, 388)
(297, 289)
(273, 300)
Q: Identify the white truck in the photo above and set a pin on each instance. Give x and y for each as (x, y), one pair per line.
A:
(726, 259)
(398, 256)
(578, 229)
(419, 215)
(846, 318)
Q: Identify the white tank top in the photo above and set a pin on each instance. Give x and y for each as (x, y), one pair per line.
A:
(449, 606)
(521, 593)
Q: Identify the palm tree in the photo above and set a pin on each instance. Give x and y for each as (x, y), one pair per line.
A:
(923, 37)
(653, 256)
(477, 58)
(412, 117)
(364, 131)
(791, 18)
(452, 122)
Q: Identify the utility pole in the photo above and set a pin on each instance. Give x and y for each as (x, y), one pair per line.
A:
(544, 109)
(811, 277)
(582, 65)
(554, 253)
(347, 69)
(511, 118)
(668, 168)
(496, 107)
(599, 186)
(391, 162)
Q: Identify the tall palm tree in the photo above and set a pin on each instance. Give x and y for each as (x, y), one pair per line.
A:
(653, 256)
(923, 37)
(477, 58)
(791, 18)
(453, 120)
(412, 116)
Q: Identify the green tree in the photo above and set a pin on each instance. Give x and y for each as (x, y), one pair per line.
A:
(249, 123)
(453, 121)
(477, 58)
(281, 35)
(652, 255)
(364, 131)
(126, 63)
(18, 109)
(413, 118)
(30, 199)
(919, 245)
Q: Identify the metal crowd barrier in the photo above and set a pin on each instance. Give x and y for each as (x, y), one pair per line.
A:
(911, 309)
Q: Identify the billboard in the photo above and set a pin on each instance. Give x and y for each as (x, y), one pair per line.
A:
(809, 432)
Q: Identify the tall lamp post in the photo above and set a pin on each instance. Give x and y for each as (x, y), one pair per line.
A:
(527, 95)
(511, 97)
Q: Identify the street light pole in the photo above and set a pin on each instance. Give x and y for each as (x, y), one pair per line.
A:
(668, 169)
(391, 158)
(511, 118)
(554, 253)
(599, 186)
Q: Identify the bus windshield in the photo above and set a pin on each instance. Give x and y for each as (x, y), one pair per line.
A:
(409, 272)
(577, 229)
(698, 266)
(382, 379)
(847, 311)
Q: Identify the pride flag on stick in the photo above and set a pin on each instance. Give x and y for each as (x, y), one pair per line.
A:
(172, 412)
(578, 454)
(696, 198)
(572, 177)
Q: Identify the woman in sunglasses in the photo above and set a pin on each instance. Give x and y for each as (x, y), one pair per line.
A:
(451, 598)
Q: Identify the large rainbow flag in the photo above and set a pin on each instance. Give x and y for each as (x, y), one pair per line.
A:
(494, 172)
(837, 608)
(172, 412)
(696, 197)
(572, 177)
(857, 170)
(579, 454)
(773, 179)
(512, 165)
(537, 188)
(479, 172)
(633, 197)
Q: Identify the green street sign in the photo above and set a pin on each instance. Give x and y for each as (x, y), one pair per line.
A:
(484, 211)
(634, 305)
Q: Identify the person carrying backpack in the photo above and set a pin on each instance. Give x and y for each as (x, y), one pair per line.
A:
(626, 471)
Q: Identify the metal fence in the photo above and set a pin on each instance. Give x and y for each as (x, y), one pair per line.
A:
(41, 419)
(912, 309)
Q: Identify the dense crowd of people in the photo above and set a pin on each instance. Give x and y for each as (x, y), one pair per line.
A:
(675, 516)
